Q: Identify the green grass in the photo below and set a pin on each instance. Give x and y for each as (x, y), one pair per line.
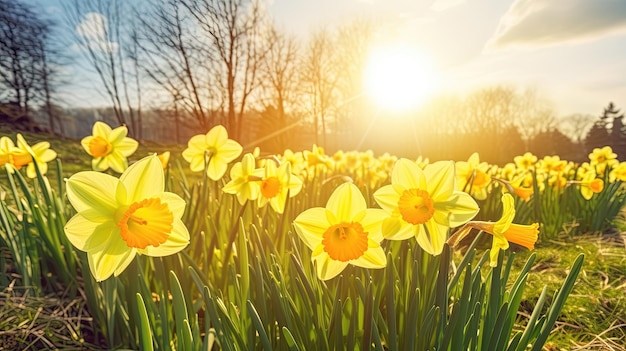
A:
(594, 315)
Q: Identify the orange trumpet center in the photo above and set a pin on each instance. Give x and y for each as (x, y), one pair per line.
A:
(345, 241)
(270, 187)
(416, 206)
(99, 147)
(147, 222)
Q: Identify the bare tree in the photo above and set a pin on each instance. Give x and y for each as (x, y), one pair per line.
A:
(279, 80)
(353, 44)
(179, 60)
(233, 29)
(22, 39)
(576, 125)
(319, 79)
(102, 31)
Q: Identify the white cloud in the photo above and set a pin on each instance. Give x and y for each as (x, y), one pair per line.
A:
(93, 30)
(441, 5)
(534, 23)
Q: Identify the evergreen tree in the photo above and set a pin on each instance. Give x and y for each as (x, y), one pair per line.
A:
(599, 134)
(618, 136)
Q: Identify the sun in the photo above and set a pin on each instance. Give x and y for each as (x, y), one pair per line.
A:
(399, 78)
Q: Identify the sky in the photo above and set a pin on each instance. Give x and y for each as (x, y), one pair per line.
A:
(571, 52)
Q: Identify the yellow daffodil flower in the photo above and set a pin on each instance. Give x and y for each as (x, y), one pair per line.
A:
(601, 158)
(243, 182)
(316, 160)
(213, 150)
(617, 173)
(525, 161)
(276, 184)
(164, 158)
(472, 176)
(119, 218)
(345, 232)
(39, 153)
(503, 231)
(424, 204)
(589, 185)
(9, 154)
(296, 159)
(109, 147)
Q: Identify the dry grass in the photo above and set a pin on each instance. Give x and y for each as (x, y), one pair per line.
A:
(43, 323)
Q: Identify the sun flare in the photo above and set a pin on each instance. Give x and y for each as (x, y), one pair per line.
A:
(399, 78)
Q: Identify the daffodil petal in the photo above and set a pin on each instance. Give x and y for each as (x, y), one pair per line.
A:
(374, 257)
(30, 170)
(436, 237)
(345, 202)
(94, 215)
(423, 239)
(101, 129)
(230, 150)
(508, 214)
(498, 243)
(124, 263)
(408, 174)
(217, 136)
(100, 164)
(310, 226)
(196, 164)
(175, 203)
(92, 190)
(103, 263)
(215, 169)
(387, 198)
(145, 178)
(177, 240)
(127, 146)
(118, 134)
(394, 228)
(85, 143)
(81, 232)
(440, 177)
(372, 223)
(278, 201)
(458, 210)
(117, 161)
(328, 268)
(47, 155)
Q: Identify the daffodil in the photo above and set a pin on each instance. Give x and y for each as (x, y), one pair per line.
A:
(525, 161)
(617, 173)
(589, 185)
(424, 204)
(316, 160)
(276, 184)
(472, 176)
(164, 158)
(601, 158)
(119, 218)
(109, 147)
(243, 182)
(9, 153)
(39, 153)
(503, 231)
(344, 232)
(296, 159)
(212, 150)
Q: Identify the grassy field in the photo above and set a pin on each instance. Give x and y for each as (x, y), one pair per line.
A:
(594, 317)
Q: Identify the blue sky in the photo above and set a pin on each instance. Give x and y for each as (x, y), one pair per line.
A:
(572, 52)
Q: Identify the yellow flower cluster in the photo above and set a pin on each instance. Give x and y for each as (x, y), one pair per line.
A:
(119, 218)
(15, 157)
